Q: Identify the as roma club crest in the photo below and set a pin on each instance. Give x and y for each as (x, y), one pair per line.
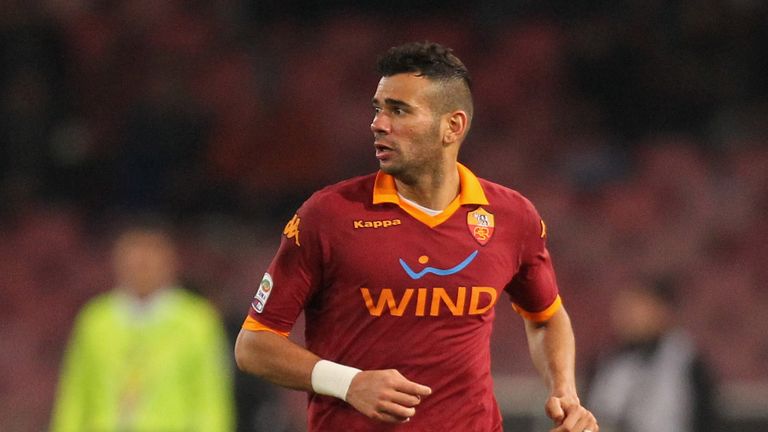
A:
(480, 224)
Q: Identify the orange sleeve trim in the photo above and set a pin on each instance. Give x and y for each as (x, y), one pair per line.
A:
(253, 325)
(542, 316)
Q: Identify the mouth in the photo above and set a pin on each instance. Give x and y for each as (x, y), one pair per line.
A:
(383, 151)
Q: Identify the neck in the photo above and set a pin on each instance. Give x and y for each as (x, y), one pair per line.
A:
(435, 189)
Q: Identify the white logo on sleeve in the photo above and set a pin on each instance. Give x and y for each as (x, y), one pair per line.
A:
(262, 295)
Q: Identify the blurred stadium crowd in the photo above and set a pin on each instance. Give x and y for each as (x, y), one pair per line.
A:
(639, 128)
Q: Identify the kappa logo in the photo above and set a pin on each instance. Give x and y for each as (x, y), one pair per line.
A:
(359, 223)
(291, 229)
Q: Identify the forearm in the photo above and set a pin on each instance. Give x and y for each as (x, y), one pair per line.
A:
(275, 358)
(553, 352)
(383, 395)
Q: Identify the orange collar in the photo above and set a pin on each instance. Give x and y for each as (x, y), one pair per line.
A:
(470, 192)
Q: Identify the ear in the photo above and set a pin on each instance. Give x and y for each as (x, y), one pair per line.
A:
(457, 123)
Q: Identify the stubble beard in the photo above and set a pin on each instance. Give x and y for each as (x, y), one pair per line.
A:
(425, 162)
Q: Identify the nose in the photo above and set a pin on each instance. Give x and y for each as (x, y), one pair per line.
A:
(380, 124)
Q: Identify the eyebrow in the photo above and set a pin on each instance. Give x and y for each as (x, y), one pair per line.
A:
(392, 102)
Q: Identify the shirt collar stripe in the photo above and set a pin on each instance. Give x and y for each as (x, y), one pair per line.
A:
(470, 192)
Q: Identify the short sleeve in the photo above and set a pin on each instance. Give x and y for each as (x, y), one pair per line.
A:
(533, 290)
(293, 275)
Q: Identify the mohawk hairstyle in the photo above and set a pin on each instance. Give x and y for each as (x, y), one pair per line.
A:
(437, 64)
(427, 59)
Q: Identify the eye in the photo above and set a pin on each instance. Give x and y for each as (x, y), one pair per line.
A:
(376, 109)
(398, 111)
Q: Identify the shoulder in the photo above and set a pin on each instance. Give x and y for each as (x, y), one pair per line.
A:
(193, 304)
(98, 307)
(507, 199)
(336, 198)
(98, 314)
(194, 313)
(512, 206)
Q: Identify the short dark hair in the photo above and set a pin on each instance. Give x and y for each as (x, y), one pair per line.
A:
(428, 59)
(664, 287)
(436, 63)
(141, 222)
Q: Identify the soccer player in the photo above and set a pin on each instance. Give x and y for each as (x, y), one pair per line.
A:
(398, 273)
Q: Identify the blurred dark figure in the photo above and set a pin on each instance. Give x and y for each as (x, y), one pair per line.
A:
(655, 380)
(258, 403)
(149, 355)
(33, 102)
(157, 165)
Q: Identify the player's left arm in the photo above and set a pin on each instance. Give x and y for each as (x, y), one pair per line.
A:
(552, 347)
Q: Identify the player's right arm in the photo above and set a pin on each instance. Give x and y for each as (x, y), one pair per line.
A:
(263, 348)
(383, 395)
(275, 358)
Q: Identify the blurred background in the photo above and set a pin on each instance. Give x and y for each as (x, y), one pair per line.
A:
(638, 128)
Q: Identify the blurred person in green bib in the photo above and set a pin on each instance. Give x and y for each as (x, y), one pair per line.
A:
(148, 355)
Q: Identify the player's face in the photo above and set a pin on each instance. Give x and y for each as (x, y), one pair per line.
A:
(406, 130)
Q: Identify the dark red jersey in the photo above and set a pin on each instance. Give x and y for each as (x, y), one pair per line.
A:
(385, 286)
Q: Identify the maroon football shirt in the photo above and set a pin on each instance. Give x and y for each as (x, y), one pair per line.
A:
(385, 286)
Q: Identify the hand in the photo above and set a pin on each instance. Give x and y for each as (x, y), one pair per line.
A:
(385, 395)
(569, 416)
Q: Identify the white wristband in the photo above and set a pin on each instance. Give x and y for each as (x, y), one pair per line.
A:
(332, 379)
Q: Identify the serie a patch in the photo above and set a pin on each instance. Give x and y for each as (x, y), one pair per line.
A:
(262, 295)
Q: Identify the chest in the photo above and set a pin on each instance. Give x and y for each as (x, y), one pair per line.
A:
(388, 249)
